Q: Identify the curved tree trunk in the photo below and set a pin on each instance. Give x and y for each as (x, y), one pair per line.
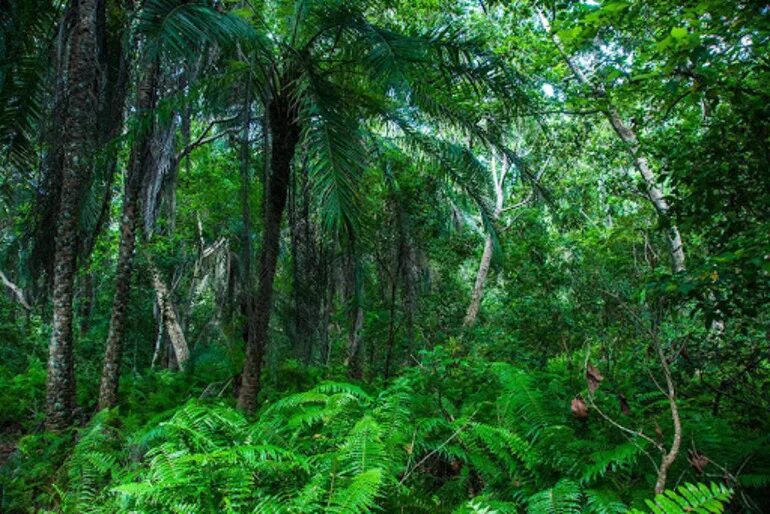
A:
(78, 135)
(486, 257)
(285, 132)
(478, 287)
(140, 158)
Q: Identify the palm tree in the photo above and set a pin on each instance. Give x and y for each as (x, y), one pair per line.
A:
(328, 75)
(169, 31)
(78, 141)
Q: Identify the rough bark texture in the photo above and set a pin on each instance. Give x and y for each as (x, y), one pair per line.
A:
(140, 158)
(285, 131)
(78, 136)
(108, 389)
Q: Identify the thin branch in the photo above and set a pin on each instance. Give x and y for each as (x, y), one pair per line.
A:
(17, 292)
(436, 450)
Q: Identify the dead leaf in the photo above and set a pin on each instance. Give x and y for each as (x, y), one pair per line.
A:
(593, 376)
(579, 408)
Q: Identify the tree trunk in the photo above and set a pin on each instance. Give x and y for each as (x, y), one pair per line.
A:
(248, 305)
(355, 312)
(486, 257)
(170, 320)
(16, 292)
(653, 191)
(285, 131)
(140, 159)
(670, 456)
(78, 135)
(108, 388)
(628, 136)
(305, 269)
(478, 286)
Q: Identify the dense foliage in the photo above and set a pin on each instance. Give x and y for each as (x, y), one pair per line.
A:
(463, 256)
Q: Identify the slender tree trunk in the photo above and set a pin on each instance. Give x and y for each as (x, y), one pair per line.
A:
(628, 136)
(168, 315)
(248, 305)
(16, 292)
(676, 250)
(355, 312)
(478, 287)
(391, 329)
(79, 143)
(486, 257)
(140, 158)
(670, 456)
(108, 388)
(285, 131)
(305, 272)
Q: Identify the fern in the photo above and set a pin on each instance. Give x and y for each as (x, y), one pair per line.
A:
(699, 498)
(563, 498)
(359, 495)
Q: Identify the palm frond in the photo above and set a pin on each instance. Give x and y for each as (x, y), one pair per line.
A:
(182, 28)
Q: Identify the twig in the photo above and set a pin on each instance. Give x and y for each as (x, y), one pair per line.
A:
(442, 445)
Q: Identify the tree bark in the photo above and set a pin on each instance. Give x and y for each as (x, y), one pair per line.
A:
(78, 135)
(670, 456)
(285, 131)
(478, 287)
(140, 158)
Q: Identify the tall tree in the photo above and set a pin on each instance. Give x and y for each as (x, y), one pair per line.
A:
(141, 157)
(78, 136)
(326, 69)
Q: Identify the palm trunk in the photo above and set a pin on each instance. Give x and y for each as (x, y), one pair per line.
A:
(78, 135)
(248, 305)
(285, 131)
(108, 389)
(140, 156)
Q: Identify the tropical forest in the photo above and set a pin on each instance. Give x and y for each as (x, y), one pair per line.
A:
(385, 256)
